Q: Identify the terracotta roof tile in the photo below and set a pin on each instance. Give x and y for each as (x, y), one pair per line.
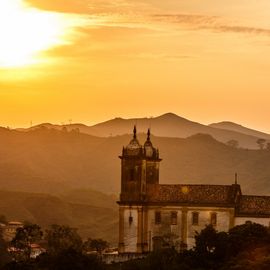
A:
(192, 194)
(254, 206)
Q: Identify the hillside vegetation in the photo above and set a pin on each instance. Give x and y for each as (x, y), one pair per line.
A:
(52, 161)
(97, 217)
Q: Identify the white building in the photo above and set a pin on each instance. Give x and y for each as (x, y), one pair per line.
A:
(152, 215)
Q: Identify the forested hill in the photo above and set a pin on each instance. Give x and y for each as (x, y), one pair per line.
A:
(92, 213)
(48, 160)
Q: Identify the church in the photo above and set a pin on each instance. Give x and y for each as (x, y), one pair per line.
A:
(153, 216)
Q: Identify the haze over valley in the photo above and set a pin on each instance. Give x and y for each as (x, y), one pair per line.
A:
(82, 171)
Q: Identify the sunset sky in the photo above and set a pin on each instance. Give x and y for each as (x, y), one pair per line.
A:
(92, 60)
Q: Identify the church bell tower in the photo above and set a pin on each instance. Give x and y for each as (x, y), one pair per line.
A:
(139, 169)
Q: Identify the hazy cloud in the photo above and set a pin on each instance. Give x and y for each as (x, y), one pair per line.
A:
(243, 29)
(210, 23)
(186, 18)
(128, 11)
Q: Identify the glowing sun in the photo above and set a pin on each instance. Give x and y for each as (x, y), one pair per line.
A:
(25, 32)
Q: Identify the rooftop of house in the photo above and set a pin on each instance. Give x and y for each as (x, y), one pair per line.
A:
(219, 195)
(254, 206)
(210, 195)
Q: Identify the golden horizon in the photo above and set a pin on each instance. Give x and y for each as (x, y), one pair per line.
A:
(207, 62)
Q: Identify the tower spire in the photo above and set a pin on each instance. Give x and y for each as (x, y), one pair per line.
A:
(135, 132)
(236, 179)
(148, 134)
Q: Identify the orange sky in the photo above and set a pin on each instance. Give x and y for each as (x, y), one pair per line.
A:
(90, 61)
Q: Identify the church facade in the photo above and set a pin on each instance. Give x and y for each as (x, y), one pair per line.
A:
(152, 215)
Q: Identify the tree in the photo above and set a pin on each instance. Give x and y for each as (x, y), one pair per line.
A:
(268, 146)
(98, 245)
(69, 259)
(246, 236)
(3, 219)
(261, 143)
(233, 143)
(25, 236)
(64, 129)
(61, 238)
(75, 131)
(211, 247)
(4, 255)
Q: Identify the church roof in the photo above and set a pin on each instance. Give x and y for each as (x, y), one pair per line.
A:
(254, 206)
(204, 195)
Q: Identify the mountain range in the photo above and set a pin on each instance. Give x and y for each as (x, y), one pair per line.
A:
(53, 161)
(168, 125)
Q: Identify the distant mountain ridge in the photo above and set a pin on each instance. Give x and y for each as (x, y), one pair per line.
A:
(168, 125)
(239, 128)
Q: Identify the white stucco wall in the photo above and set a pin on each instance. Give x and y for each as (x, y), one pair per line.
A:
(223, 222)
(165, 228)
(130, 229)
(224, 216)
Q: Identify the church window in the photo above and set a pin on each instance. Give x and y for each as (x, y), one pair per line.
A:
(173, 218)
(214, 219)
(195, 218)
(130, 219)
(132, 175)
(157, 217)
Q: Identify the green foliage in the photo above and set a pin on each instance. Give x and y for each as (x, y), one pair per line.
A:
(244, 247)
(247, 236)
(65, 260)
(62, 238)
(83, 209)
(25, 236)
(159, 260)
(261, 143)
(3, 219)
(69, 259)
(98, 245)
(4, 255)
(211, 244)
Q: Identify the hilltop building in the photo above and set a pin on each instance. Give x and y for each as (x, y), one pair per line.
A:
(152, 215)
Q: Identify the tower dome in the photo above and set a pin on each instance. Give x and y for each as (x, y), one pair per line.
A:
(148, 147)
(134, 147)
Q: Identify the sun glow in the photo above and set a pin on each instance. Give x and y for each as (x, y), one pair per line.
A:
(25, 32)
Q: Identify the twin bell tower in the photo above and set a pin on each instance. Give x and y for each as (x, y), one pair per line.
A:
(139, 167)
